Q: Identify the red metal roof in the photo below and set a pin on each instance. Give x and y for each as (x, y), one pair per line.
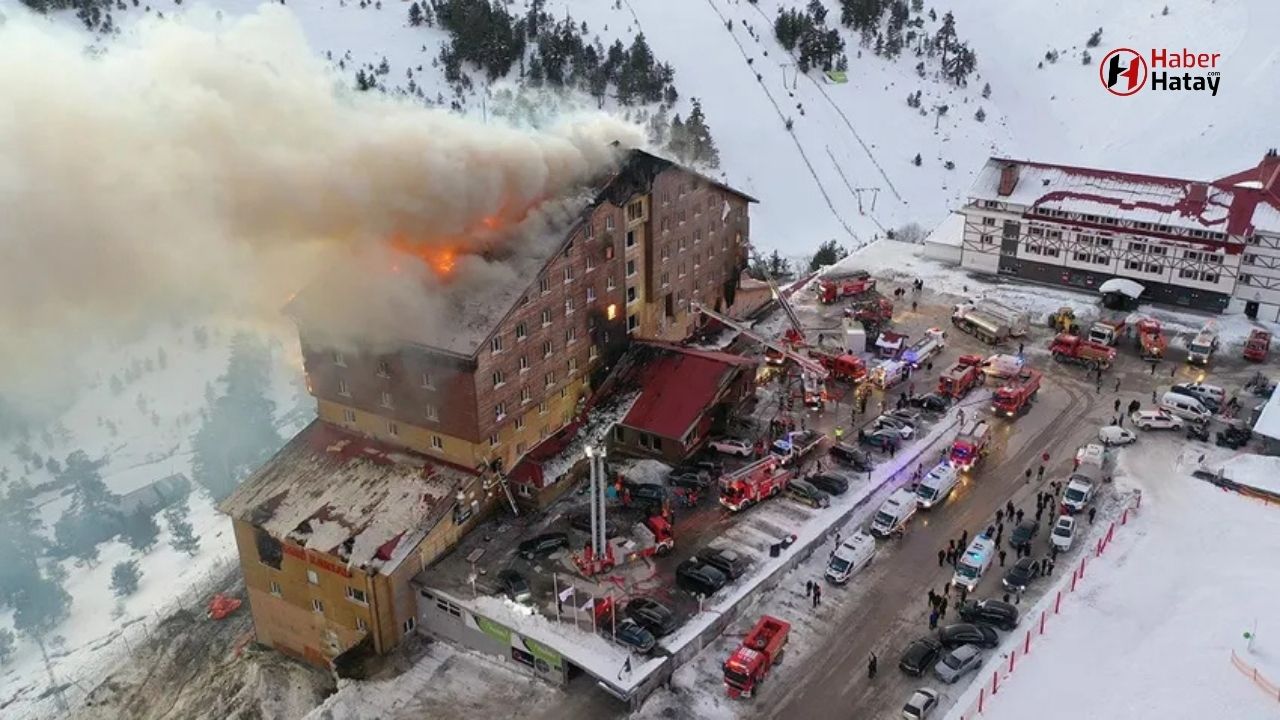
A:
(677, 386)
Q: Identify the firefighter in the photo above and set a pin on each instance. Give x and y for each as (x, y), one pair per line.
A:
(839, 433)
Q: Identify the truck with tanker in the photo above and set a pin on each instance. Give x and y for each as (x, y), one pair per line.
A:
(760, 650)
(969, 318)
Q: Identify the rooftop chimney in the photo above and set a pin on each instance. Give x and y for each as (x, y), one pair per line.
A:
(1197, 195)
(1008, 179)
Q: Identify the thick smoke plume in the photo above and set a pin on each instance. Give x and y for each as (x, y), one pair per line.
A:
(197, 165)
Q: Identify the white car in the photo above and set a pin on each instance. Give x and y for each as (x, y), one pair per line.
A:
(1113, 435)
(731, 446)
(1063, 533)
(921, 704)
(1156, 420)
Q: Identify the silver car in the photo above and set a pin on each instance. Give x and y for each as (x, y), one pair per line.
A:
(921, 704)
(956, 663)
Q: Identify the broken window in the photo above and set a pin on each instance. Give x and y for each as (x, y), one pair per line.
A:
(270, 551)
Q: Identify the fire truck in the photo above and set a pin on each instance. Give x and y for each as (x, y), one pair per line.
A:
(796, 445)
(1015, 396)
(835, 286)
(925, 348)
(957, 380)
(752, 483)
(842, 366)
(878, 311)
(970, 446)
(748, 666)
(1151, 340)
(649, 538)
(1074, 349)
(1257, 346)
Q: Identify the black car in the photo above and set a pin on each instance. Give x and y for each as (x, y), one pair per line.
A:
(1024, 533)
(543, 545)
(881, 439)
(729, 562)
(830, 484)
(582, 521)
(514, 586)
(699, 578)
(646, 493)
(711, 468)
(990, 612)
(632, 634)
(933, 402)
(1020, 575)
(651, 615)
(953, 636)
(920, 656)
(689, 480)
(1234, 437)
(855, 457)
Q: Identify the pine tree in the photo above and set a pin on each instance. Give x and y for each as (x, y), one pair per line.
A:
(6, 646)
(678, 145)
(182, 535)
(828, 253)
(980, 116)
(1094, 38)
(986, 91)
(415, 15)
(140, 530)
(702, 148)
(917, 160)
(1086, 58)
(124, 578)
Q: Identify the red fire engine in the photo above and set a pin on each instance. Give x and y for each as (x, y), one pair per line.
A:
(1070, 348)
(1151, 340)
(957, 380)
(1015, 395)
(849, 368)
(835, 287)
(1257, 346)
(759, 652)
(752, 483)
(970, 446)
(878, 311)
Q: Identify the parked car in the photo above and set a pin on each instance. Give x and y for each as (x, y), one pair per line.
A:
(853, 456)
(919, 656)
(955, 664)
(543, 545)
(733, 446)
(689, 480)
(514, 586)
(805, 493)
(582, 522)
(830, 484)
(634, 635)
(933, 402)
(921, 704)
(1019, 576)
(908, 416)
(699, 578)
(651, 615)
(729, 562)
(1156, 420)
(645, 493)
(990, 612)
(713, 469)
(1114, 436)
(881, 439)
(1064, 533)
(1211, 396)
(1024, 533)
(957, 634)
(893, 422)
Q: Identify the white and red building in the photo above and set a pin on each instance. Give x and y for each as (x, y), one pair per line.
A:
(1210, 245)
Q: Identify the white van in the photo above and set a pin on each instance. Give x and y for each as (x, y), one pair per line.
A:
(1093, 454)
(936, 486)
(1077, 495)
(1003, 366)
(1202, 347)
(1185, 407)
(1201, 391)
(893, 515)
(974, 562)
(852, 555)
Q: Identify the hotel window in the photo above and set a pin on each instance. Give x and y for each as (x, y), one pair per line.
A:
(697, 260)
(393, 428)
(361, 624)
(665, 225)
(631, 268)
(573, 365)
(986, 239)
(524, 363)
(590, 230)
(697, 236)
(666, 197)
(275, 588)
(343, 390)
(547, 348)
(1133, 265)
(338, 359)
(409, 624)
(680, 217)
(608, 223)
(570, 336)
(666, 252)
(631, 239)
(1246, 279)
(635, 211)
(357, 595)
(312, 577)
(437, 442)
(633, 322)
(989, 221)
(499, 379)
(593, 352)
(1249, 259)
(317, 605)
(494, 440)
(432, 413)
(568, 274)
(568, 247)
(426, 381)
(542, 408)
(525, 396)
(544, 285)
(496, 344)
(386, 400)
(384, 368)
(666, 279)
(522, 331)
(546, 318)
(682, 243)
(499, 411)
(569, 305)
(591, 262)
(549, 379)
(631, 294)
(612, 283)
(591, 294)
(519, 423)
(520, 447)
(348, 416)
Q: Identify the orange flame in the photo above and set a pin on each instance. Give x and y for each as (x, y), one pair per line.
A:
(441, 253)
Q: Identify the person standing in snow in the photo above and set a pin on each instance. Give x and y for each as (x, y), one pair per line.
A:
(1092, 512)
(871, 667)
(933, 619)
(1001, 556)
(817, 595)
(942, 557)
(1117, 386)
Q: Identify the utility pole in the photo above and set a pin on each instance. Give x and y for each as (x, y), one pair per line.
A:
(875, 192)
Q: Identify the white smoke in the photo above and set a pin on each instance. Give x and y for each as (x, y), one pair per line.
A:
(195, 164)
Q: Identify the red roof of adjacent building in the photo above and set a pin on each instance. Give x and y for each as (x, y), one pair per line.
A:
(677, 385)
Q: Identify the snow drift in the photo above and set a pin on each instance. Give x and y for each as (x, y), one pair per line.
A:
(203, 163)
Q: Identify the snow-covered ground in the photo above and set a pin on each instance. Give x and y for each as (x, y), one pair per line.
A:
(1151, 631)
(139, 447)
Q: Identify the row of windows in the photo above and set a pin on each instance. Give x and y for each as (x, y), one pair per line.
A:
(497, 344)
(355, 595)
(1086, 257)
